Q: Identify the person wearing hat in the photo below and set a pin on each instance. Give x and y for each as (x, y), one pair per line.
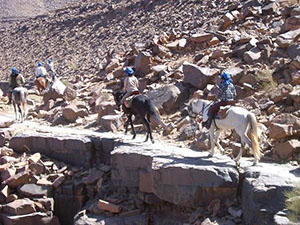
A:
(16, 80)
(50, 68)
(131, 83)
(225, 95)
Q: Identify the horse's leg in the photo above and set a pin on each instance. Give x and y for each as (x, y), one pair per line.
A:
(149, 132)
(238, 157)
(218, 132)
(212, 141)
(132, 127)
(23, 107)
(15, 109)
(126, 125)
(20, 112)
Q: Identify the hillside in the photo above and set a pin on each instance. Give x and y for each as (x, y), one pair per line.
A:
(17, 10)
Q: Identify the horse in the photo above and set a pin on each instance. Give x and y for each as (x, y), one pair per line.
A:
(143, 108)
(238, 118)
(41, 84)
(19, 96)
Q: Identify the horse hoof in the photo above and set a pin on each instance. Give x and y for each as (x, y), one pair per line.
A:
(152, 141)
(210, 155)
(133, 137)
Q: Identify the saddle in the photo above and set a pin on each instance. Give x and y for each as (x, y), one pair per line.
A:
(130, 98)
(222, 113)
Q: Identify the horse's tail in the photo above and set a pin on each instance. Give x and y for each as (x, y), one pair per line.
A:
(254, 135)
(154, 113)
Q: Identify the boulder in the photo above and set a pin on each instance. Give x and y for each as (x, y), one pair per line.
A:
(31, 218)
(176, 175)
(281, 92)
(105, 108)
(263, 193)
(34, 191)
(169, 98)
(72, 149)
(252, 56)
(143, 63)
(201, 37)
(286, 39)
(278, 131)
(111, 122)
(69, 94)
(55, 91)
(295, 95)
(19, 207)
(197, 76)
(292, 23)
(70, 113)
(286, 149)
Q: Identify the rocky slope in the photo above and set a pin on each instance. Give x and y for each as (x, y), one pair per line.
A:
(16, 10)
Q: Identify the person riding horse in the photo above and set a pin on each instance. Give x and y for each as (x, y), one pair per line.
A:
(225, 95)
(50, 69)
(131, 84)
(16, 80)
(41, 71)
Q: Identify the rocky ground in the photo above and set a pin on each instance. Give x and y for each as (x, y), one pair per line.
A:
(178, 49)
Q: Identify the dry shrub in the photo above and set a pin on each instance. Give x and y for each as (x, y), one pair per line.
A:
(293, 204)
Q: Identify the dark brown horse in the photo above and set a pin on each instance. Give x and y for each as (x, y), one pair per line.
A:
(41, 84)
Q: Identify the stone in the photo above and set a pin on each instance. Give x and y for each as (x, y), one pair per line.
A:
(187, 178)
(55, 91)
(106, 206)
(286, 39)
(278, 131)
(31, 218)
(197, 76)
(286, 149)
(143, 63)
(112, 65)
(72, 149)
(111, 122)
(34, 191)
(295, 95)
(93, 177)
(34, 158)
(18, 179)
(58, 181)
(201, 37)
(19, 207)
(169, 98)
(70, 113)
(4, 194)
(281, 92)
(252, 56)
(264, 187)
(292, 23)
(105, 108)
(69, 94)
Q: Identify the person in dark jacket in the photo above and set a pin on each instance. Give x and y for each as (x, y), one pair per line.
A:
(16, 79)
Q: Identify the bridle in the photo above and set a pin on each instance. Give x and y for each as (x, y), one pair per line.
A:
(194, 115)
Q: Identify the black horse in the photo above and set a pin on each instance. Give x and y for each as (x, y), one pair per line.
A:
(143, 108)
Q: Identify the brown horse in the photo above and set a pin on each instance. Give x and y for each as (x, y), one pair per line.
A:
(41, 84)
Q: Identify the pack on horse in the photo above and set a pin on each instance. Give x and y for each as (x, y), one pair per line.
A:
(19, 100)
(237, 118)
(141, 106)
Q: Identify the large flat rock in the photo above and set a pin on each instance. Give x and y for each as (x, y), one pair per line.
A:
(73, 149)
(263, 190)
(177, 175)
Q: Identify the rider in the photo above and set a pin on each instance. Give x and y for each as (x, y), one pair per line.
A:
(225, 95)
(16, 80)
(131, 83)
(50, 68)
(40, 71)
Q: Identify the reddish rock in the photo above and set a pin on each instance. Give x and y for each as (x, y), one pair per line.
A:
(287, 149)
(278, 131)
(106, 206)
(19, 207)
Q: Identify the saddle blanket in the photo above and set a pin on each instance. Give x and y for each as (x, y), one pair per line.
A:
(129, 100)
(222, 113)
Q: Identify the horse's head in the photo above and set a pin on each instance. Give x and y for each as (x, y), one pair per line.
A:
(195, 107)
(118, 96)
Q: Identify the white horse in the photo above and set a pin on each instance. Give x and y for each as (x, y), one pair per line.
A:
(237, 118)
(18, 96)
